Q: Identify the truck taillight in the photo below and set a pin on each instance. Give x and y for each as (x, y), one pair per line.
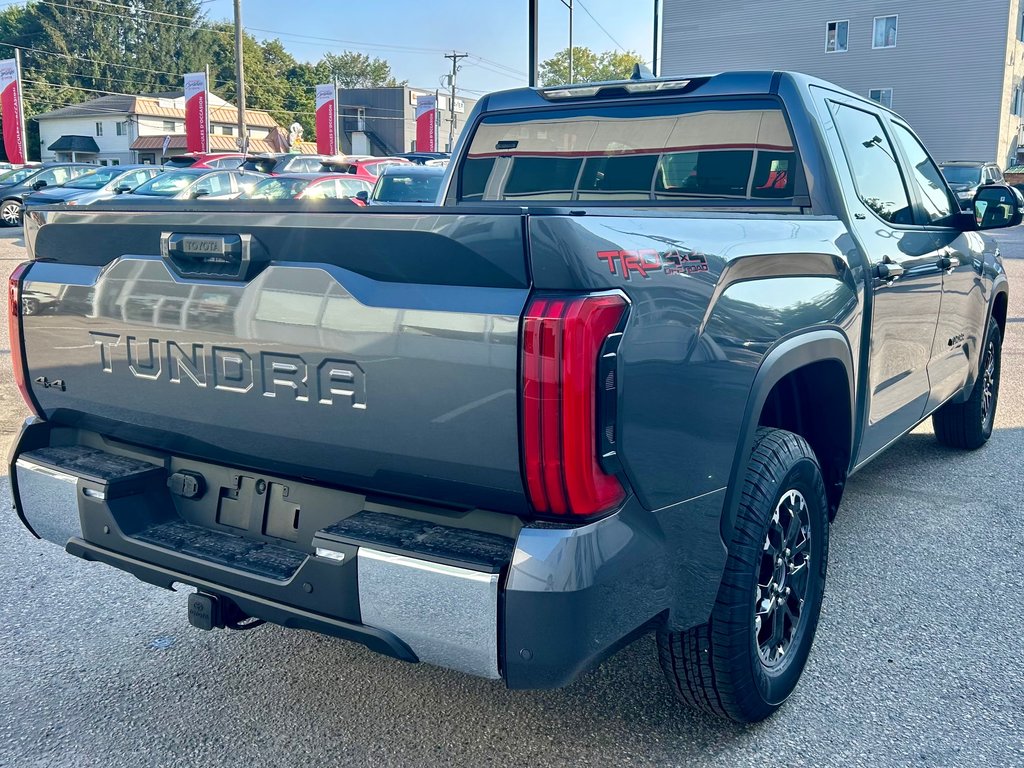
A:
(14, 325)
(562, 343)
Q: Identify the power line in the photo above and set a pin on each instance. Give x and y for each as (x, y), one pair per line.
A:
(600, 26)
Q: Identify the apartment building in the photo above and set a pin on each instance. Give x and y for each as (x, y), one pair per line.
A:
(953, 69)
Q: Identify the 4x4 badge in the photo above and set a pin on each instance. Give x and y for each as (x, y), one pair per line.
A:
(646, 260)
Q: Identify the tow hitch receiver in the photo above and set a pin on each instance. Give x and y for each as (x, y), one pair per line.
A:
(204, 611)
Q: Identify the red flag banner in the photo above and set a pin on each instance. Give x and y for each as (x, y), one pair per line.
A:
(197, 113)
(10, 111)
(326, 120)
(426, 123)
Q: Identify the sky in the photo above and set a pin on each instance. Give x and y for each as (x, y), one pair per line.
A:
(414, 35)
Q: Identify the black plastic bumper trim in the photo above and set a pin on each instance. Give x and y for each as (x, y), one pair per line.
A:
(253, 605)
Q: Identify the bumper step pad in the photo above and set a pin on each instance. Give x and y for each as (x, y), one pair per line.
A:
(258, 558)
(422, 539)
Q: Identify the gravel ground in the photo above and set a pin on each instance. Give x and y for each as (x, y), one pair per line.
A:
(919, 658)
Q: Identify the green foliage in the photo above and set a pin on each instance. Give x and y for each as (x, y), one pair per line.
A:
(588, 66)
(75, 50)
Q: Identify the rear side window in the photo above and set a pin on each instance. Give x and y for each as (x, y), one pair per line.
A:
(872, 161)
(682, 151)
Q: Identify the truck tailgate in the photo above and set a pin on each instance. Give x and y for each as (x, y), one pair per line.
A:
(375, 351)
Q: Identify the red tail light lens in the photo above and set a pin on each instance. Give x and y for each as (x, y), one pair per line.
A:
(14, 326)
(562, 340)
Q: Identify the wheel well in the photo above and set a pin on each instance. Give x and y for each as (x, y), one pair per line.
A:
(814, 402)
(999, 307)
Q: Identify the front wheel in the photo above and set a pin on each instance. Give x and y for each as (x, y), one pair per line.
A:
(10, 213)
(746, 661)
(968, 425)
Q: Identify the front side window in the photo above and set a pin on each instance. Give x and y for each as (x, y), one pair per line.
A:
(925, 176)
(837, 36)
(884, 32)
(872, 162)
(882, 95)
(616, 153)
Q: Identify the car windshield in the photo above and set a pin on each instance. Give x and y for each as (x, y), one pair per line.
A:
(18, 174)
(278, 189)
(962, 174)
(166, 184)
(94, 179)
(260, 164)
(407, 188)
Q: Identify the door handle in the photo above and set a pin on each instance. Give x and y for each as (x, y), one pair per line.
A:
(949, 263)
(889, 270)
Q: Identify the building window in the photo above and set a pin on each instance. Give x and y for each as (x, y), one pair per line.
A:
(169, 125)
(115, 162)
(885, 32)
(228, 130)
(121, 127)
(837, 36)
(882, 95)
(99, 129)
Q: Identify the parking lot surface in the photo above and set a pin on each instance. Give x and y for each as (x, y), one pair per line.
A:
(919, 658)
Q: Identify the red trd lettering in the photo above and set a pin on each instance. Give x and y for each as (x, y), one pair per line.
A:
(641, 261)
(610, 257)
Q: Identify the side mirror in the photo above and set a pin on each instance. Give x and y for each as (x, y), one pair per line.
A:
(39, 185)
(363, 195)
(997, 206)
(200, 193)
(122, 188)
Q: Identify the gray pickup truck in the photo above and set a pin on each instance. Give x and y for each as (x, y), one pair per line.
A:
(614, 384)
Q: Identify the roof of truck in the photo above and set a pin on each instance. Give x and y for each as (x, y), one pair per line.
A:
(748, 82)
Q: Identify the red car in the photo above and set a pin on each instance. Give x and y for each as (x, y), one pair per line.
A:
(212, 160)
(367, 169)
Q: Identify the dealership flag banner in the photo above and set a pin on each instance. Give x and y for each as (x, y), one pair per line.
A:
(326, 120)
(197, 113)
(426, 123)
(10, 110)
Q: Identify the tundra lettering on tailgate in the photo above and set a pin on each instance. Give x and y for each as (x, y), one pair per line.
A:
(232, 369)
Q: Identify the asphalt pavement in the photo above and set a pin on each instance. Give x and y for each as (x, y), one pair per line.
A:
(919, 658)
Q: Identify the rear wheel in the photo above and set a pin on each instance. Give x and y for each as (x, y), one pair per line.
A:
(747, 659)
(968, 425)
(10, 213)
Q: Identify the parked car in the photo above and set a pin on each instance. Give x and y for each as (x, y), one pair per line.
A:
(367, 169)
(422, 158)
(209, 160)
(965, 177)
(309, 186)
(101, 184)
(407, 184)
(15, 175)
(277, 164)
(614, 385)
(193, 183)
(12, 196)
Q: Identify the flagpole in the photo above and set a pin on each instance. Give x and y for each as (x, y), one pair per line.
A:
(208, 109)
(21, 105)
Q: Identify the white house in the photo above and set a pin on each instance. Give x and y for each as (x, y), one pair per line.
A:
(120, 128)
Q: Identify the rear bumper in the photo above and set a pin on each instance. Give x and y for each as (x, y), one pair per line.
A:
(554, 603)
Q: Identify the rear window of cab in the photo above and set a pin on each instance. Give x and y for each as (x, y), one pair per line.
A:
(741, 149)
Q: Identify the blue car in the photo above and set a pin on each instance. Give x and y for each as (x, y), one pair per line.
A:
(101, 184)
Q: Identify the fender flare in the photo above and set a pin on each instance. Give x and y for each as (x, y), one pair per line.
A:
(785, 357)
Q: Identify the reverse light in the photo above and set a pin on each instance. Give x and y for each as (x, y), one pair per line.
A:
(14, 326)
(563, 340)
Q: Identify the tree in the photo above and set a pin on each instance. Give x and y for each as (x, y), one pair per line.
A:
(588, 67)
(357, 70)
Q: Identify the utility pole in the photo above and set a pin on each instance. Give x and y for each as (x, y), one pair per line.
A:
(451, 100)
(568, 4)
(655, 69)
(239, 75)
(531, 36)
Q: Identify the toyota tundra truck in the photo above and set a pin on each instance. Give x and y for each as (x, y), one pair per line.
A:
(613, 383)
